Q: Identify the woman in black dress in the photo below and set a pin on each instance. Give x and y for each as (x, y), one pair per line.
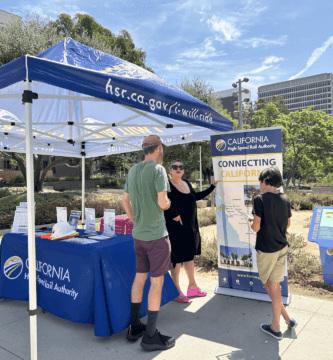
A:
(182, 224)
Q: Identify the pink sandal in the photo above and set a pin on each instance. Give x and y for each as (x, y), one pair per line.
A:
(195, 293)
(181, 300)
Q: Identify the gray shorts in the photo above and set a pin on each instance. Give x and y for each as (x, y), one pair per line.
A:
(153, 256)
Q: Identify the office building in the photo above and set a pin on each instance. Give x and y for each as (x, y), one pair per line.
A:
(227, 99)
(7, 16)
(301, 93)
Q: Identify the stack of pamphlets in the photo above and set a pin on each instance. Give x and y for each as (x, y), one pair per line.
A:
(20, 224)
(74, 218)
(61, 214)
(90, 221)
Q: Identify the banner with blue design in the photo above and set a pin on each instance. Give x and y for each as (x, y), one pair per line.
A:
(238, 159)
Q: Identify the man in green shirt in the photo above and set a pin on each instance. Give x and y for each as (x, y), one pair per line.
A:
(145, 199)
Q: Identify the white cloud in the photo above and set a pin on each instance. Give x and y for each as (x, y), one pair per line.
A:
(205, 51)
(227, 28)
(45, 8)
(256, 42)
(315, 56)
(261, 69)
(253, 6)
(272, 60)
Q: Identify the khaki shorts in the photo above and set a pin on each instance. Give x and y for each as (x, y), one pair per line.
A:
(272, 266)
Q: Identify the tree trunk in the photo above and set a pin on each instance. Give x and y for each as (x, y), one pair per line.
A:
(37, 166)
(291, 173)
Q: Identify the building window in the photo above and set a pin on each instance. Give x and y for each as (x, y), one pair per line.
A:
(6, 164)
(45, 164)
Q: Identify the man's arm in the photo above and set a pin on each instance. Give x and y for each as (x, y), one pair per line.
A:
(288, 223)
(163, 200)
(256, 223)
(128, 207)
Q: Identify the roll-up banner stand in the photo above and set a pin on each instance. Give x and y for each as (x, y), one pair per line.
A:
(238, 159)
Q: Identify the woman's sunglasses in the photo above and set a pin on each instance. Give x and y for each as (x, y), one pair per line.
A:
(176, 167)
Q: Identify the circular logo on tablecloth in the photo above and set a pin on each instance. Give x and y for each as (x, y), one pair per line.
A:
(220, 145)
(13, 267)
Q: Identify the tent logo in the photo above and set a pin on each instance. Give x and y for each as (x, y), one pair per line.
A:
(13, 267)
(220, 145)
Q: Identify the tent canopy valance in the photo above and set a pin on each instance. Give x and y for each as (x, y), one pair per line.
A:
(93, 103)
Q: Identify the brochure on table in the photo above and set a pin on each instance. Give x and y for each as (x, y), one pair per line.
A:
(20, 223)
(61, 214)
(90, 221)
(74, 218)
(81, 241)
(109, 222)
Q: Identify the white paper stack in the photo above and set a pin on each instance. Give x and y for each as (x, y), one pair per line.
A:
(61, 214)
(90, 221)
(20, 224)
(109, 222)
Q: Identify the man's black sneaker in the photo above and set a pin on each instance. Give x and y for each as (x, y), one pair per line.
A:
(293, 323)
(157, 342)
(134, 332)
(267, 329)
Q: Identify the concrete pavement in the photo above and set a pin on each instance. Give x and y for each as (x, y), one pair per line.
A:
(214, 327)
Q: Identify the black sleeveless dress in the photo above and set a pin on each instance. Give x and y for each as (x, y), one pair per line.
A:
(185, 239)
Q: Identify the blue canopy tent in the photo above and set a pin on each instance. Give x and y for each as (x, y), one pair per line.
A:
(81, 102)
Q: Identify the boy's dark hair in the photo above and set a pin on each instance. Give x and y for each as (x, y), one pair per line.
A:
(271, 176)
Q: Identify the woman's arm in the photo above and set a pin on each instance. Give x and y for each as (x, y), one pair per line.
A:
(202, 194)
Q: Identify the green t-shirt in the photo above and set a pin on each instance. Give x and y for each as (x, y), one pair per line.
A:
(144, 181)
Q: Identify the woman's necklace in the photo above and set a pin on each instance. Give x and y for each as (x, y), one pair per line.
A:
(181, 182)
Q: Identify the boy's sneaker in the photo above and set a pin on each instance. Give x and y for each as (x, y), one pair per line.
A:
(134, 332)
(267, 329)
(157, 342)
(293, 323)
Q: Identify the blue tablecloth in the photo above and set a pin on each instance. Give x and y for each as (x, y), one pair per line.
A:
(83, 283)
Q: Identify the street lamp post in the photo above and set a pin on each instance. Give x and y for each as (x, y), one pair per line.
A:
(239, 94)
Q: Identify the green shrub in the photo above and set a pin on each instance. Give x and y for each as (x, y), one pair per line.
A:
(18, 179)
(208, 257)
(51, 179)
(46, 206)
(114, 182)
(121, 182)
(72, 178)
(8, 207)
(106, 182)
(301, 263)
(4, 192)
(207, 217)
(308, 201)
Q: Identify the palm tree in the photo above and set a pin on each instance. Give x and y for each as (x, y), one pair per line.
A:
(244, 258)
(233, 258)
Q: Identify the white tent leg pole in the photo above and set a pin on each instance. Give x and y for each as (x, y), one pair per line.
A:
(31, 226)
(200, 169)
(83, 186)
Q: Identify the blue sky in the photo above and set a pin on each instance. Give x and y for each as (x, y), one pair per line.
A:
(220, 41)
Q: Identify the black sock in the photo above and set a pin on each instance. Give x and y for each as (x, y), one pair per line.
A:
(152, 320)
(135, 320)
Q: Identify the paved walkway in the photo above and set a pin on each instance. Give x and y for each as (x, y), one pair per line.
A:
(215, 327)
